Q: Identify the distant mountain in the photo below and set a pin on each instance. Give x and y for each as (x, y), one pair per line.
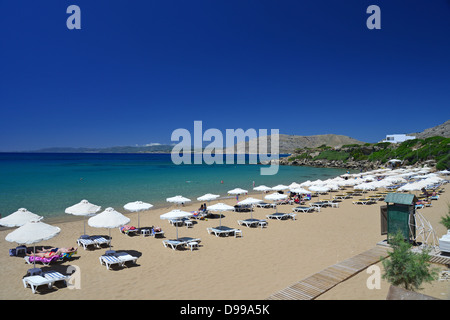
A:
(288, 143)
(124, 149)
(442, 130)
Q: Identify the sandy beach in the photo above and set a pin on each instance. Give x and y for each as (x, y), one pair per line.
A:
(253, 267)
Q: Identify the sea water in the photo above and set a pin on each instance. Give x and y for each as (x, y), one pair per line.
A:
(47, 183)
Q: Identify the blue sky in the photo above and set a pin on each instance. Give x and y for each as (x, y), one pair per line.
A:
(138, 70)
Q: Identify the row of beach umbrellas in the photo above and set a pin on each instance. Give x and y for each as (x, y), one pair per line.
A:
(32, 230)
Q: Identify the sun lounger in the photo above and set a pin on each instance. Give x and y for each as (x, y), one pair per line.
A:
(110, 260)
(303, 209)
(55, 276)
(222, 231)
(265, 205)
(36, 281)
(85, 242)
(363, 201)
(128, 230)
(243, 208)
(43, 260)
(249, 222)
(99, 241)
(174, 244)
(278, 216)
(126, 257)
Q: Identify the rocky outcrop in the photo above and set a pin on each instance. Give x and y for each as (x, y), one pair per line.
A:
(442, 130)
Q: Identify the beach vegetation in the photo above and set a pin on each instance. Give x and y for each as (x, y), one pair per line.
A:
(413, 151)
(332, 155)
(445, 220)
(405, 268)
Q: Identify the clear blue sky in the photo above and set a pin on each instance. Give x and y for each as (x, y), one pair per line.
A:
(137, 70)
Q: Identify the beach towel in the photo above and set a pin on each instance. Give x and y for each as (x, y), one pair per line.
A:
(126, 229)
(32, 259)
(67, 255)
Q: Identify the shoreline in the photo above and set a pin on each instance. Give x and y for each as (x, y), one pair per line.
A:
(261, 263)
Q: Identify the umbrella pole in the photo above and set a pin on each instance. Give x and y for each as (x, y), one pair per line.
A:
(109, 230)
(34, 256)
(139, 222)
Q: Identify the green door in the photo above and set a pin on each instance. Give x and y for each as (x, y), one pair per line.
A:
(398, 219)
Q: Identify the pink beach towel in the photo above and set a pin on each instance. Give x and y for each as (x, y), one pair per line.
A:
(43, 260)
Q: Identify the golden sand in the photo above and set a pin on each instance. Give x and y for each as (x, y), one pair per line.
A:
(253, 267)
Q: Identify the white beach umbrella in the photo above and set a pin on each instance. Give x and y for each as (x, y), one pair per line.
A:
(294, 185)
(365, 186)
(83, 208)
(319, 188)
(31, 233)
(208, 197)
(108, 219)
(262, 188)
(280, 187)
(307, 183)
(176, 214)
(220, 207)
(237, 191)
(300, 191)
(178, 200)
(275, 197)
(19, 218)
(250, 201)
(137, 206)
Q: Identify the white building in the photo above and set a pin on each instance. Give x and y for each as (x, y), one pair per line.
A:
(398, 138)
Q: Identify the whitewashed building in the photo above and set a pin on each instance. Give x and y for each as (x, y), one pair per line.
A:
(398, 138)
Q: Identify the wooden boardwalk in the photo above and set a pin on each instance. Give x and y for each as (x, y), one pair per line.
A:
(315, 285)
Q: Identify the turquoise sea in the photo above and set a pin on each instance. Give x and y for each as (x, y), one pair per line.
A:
(48, 183)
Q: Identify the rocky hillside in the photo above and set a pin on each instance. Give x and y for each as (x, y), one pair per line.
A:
(442, 130)
(289, 143)
(433, 151)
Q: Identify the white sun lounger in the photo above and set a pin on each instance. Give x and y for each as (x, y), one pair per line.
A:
(126, 257)
(110, 260)
(265, 205)
(278, 216)
(92, 241)
(225, 232)
(36, 281)
(363, 201)
(249, 223)
(303, 209)
(174, 244)
(85, 242)
(56, 276)
(99, 240)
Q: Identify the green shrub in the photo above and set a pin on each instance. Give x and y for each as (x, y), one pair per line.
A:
(333, 155)
(445, 220)
(407, 269)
